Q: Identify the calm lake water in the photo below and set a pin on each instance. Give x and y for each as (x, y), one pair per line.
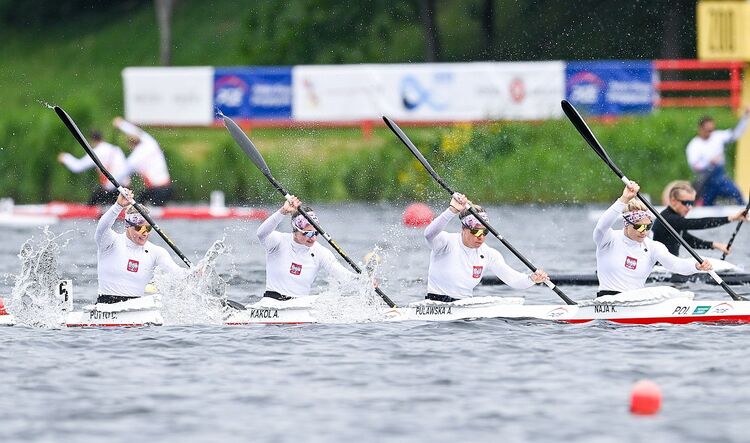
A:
(488, 380)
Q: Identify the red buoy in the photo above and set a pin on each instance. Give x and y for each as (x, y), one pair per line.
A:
(646, 398)
(2, 308)
(417, 214)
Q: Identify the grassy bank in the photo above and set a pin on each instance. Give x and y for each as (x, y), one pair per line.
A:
(501, 162)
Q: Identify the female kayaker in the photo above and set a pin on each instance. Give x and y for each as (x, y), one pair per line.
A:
(294, 259)
(126, 262)
(625, 258)
(458, 260)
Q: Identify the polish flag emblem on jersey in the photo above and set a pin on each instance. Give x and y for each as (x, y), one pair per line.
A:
(133, 265)
(477, 271)
(631, 263)
(295, 269)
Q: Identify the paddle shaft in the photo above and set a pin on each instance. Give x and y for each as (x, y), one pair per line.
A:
(736, 230)
(73, 128)
(406, 141)
(589, 136)
(249, 148)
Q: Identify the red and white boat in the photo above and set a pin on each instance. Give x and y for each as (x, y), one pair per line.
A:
(51, 213)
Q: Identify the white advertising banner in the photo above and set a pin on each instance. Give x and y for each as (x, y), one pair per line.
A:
(429, 92)
(169, 96)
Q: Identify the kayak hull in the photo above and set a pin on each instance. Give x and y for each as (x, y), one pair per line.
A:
(649, 306)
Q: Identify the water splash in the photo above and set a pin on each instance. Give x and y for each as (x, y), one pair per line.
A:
(200, 296)
(352, 301)
(34, 299)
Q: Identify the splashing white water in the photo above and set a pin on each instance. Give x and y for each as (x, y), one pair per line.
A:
(34, 299)
(198, 298)
(353, 301)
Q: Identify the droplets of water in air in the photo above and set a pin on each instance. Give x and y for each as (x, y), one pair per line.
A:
(199, 296)
(34, 300)
(353, 300)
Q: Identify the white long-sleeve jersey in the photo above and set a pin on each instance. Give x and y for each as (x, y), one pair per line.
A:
(700, 153)
(623, 264)
(111, 157)
(456, 269)
(147, 158)
(125, 268)
(291, 268)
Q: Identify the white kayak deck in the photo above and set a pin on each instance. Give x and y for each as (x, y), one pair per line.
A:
(661, 304)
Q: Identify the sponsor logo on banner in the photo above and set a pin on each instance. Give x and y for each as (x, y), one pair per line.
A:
(585, 88)
(230, 92)
(477, 271)
(428, 91)
(295, 269)
(611, 87)
(517, 90)
(133, 265)
(416, 93)
(254, 92)
(631, 263)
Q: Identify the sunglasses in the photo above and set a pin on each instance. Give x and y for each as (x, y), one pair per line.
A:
(308, 234)
(141, 229)
(478, 232)
(687, 202)
(643, 227)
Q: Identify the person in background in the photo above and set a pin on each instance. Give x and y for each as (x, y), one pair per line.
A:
(624, 259)
(705, 155)
(126, 262)
(147, 160)
(681, 200)
(458, 260)
(111, 157)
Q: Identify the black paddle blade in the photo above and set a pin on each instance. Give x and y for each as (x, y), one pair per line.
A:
(235, 305)
(588, 135)
(405, 140)
(247, 145)
(78, 135)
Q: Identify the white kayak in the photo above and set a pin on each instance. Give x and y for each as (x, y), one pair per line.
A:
(141, 311)
(660, 304)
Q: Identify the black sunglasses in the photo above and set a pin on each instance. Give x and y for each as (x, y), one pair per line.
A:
(687, 202)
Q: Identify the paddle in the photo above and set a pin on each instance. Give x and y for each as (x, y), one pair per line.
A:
(736, 230)
(400, 134)
(588, 135)
(139, 207)
(247, 145)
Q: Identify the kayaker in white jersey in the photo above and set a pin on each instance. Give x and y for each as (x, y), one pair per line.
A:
(146, 159)
(624, 259)
(111, 157)
(458, 260)
(294, 259)
(126, 262)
